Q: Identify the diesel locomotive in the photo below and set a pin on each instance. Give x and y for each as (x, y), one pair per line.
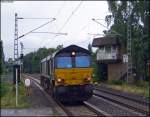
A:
(67, 74)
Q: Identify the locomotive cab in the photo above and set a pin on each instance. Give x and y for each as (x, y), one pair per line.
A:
(73, 74)
(71, 78)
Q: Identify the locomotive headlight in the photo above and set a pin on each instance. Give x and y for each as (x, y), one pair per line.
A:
(58, 80)
(73, 53)
(88, 78)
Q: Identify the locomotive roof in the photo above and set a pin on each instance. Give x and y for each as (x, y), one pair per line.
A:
(72, 48)
(43, 60)
(48, 57)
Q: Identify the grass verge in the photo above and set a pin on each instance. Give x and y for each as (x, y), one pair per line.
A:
(8, 96)
(140, 88)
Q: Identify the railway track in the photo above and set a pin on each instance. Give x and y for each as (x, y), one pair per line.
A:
(85, 109)
(117, 93)
(123, 101)
(137, 108)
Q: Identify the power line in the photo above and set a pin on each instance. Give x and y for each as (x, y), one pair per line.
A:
(101, 34)
(70, 16)
(52, 33)
(99, 19)
(30, 48)
(83, 28)
(100, 23)
(36, 28)
(59, 10)
(106, 27)
(83, 41)
(56, 27)
(34, 18)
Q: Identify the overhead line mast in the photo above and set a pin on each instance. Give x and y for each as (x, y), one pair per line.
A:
(16, 34)
(129, 45)
(16, 38)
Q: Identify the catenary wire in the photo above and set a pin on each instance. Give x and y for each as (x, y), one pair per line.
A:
(69, 17)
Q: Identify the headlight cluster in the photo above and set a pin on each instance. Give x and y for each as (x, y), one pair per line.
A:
(60, 80)
(88, 79)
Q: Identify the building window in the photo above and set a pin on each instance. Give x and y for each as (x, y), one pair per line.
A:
(101, 49)
(108, 49)
(113, 49)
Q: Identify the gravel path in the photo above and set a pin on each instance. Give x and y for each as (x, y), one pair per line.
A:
(79, 109)
(39, 99)
(27, 112)
(41, 105)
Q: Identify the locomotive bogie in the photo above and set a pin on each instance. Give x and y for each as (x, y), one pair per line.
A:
(74, 93)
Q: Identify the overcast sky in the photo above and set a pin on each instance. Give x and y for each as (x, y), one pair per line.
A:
(77, 27)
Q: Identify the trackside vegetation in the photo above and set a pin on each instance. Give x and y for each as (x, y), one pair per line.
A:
(140, 88)
(31, 61)
(140, 28)
(8, 96)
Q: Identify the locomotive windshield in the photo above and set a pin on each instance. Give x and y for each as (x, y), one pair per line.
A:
(73, 62)
(82, 61)
(64, 62)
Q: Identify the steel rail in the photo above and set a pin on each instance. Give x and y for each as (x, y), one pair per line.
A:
(69, 113)
(96, 110)
(89, 106)
(123, 104)
(123, 96)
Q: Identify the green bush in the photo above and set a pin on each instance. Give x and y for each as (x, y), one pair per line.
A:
(116, 82)
(95, 78)
(142, 83)
(4, 88)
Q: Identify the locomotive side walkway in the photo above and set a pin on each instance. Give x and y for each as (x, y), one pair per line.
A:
(41, 105)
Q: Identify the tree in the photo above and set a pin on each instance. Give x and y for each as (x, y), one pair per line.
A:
(1, 57)
(59, 47)
(90, 48)
(140, 29)
(31, 62)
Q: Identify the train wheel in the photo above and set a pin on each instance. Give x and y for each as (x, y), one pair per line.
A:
(80, 102)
